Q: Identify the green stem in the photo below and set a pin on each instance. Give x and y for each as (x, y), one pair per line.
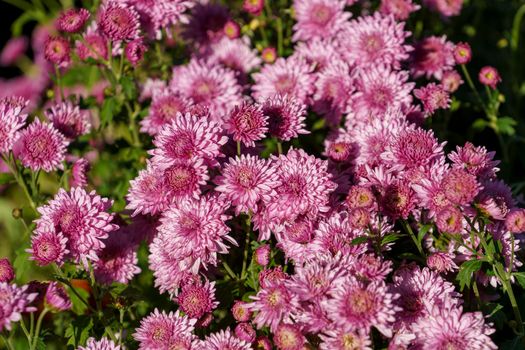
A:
(279, 147)
(59, 83)
(38, 326)
(473, 88)
(516, 28)
(133, 125)
(26, 332)
(19, 179)
(6, 341)
(229, 270)
(239, 148)
(280, 37)
(64, 280)
(246, 246)
(413, 236)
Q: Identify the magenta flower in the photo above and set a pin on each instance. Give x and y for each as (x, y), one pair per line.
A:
(476, 160)
(161, 330)
(286, 116)
(118, 21)
(254, 7)
(489, 76)
(48, 247)
(462, 53)
(374, 40)
(57, 51)
(451, 81)
(72, 20)
(232, 29)
(245, 331)
(441, 262)
(318, 53)
(146, 192)
(432, 57)
(13, 50)
(208, 85)
(41, 147)
(400, 9)
(291, 76)
(15, 302)
(135, 50)
(240, 312)
(103, 344)
(236, 55)
(93, 46)
(460, 187)
(495, 199)
(274, 304)
(197, 299)
(69, 119)
(288, 337)
(81, 218)
(515, 221)
(222, 340)
(318, 18)
(345, 338)
(11, 121)
(79, 173)
(246, 181)
(7, 273)
(360, 197)
(165, 107)
(57, 298)
(433, 97)
(206, 24)
(269, 54)
(446, 8)
(262, 255)
(449, 220)
(247, 124)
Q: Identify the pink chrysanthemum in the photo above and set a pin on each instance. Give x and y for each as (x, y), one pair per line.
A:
(232, 29)
(15, 301)
(102, 344)
(317, 53)
(262, 255)
(369, 267)
(80, 217)
(72, 20)
(69, 119)
(340, 146)
(197, 299)
(420, 290)
(334, 86)
(245, 331)
(57, 51)
(184, 179)
(290, 76)
(288, 337)
(11, 121)
(433, 97)
(48, 247)
(78, 173)
(449, 220)
(206, 24)
(460, 187)
(360, 197)
(13, 50)
(286, 116)
(398, 200)
(451, 81)
(274, 304)
(412, 148)
(441, 262)
(93, 45)
(446, 8)
(222, 340)
(247, 123)
(462, 53)
(374, 40)
(495, 199)
(7, 273)
(294, 236)
(269, 277)
(135, 50)
(118, 21)
(254, 7)
(165, 107)
(161, 330)
(196, 230)
(363, 306)
(432, 57)
(345, 339)
(380, 89)
(41, 147)
(400, 9)
(318, 18)
(450, 328)
(476, 160)
(235, 54)
(57, 298)
(240, 312)
(514, 222)
(246, 181)
(489, 76)
(146, 192)
(186, 138)
(208, 85)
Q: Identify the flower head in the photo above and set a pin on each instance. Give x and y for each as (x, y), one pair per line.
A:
(48, 247)
(15, 301)
(118, 21)
(41, 147)
(57, 298)
(7, 273)
(274, 304)
(400, 9)
(247, 123)
(69, 119)
(11, 121)
(288, 337)
(57, 51)
(72, 20)
(240, 312)
(318, 18)
(345, 339)
(286, 116)
(197, 299)
(446, 8)
(462, 53)
(222, 340)
(135, 50)
(432, 57)
(489, 76)
(254, 7)
(434, 97)
(102, 344)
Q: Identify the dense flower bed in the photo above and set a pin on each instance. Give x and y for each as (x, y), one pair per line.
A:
(263, 175)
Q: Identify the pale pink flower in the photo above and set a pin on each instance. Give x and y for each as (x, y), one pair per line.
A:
(11, 121)
(247, 123)
(432, 57)
(197, 299)
(57, 298)
(318, 18)
(433, 97)
(274, 304)
(400, 9)
(15, 302)
(221, 340)
(102, 344)
(69, 119)
(286, 116)
(446, 8)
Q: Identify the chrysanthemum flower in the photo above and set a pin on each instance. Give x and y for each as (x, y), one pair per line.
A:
(15, 301)
(206, 24)
(102, 344)
(57, 298)
(247, 180)
(186, 138)
(57, 51)
(288, 337)
(232, 29)
(374, 40)
(441, 262)
(262, 255)
(291, 76)
(197, 230)
(118, 21)
(495, 199)
(223, 339)
(489, 76)
(7, 273)
(161, 330)
(78, 173)
(432, 57)
(184, 179)
(72, 20)
(69, 119)
(476, 160)
(345, 339)
(11, 121)
(13, 50)
(515, 221)
(197, 299)
(462, 53)
(451, 81)
(460, 187)
(318, 18)
(286, 116)
(247, 123)
(274, 304)
(165, 106)
(318, 53)
(433, 97)
(449, 327)
(209, 85)
(398, 200)
(400, 9)
(240, 312)
(146, 192)
(368, 267)
(380, 89)
(360, 197)
(93, 45)
(81, 218)
(135, 50)
(254, 7)
(245, 331)
(446, 8)
(48, 247)
(41, 147)
(235, 54)
(363, 306)
(449, 220)
(340, 146)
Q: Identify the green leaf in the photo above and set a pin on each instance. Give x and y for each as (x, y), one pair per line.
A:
(6, 178)
(359, 240)
(107, 111)
(422, 232)
(129, 88)
(392, 237)
(520, 277)
(79, 307)
(480, 124)
(506, 125)
(78, 331)
(466, 270)
(21, 264)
